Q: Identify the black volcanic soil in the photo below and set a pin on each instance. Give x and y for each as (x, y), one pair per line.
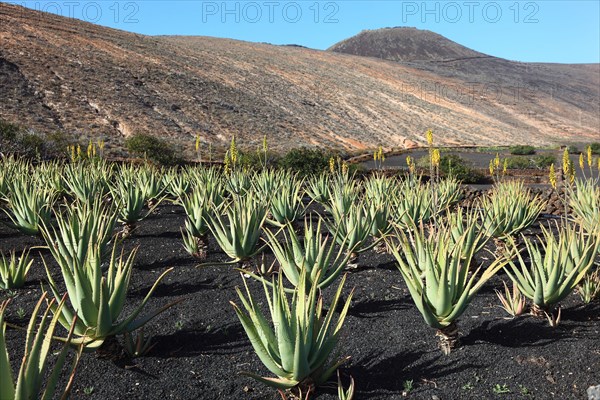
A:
(201, 347)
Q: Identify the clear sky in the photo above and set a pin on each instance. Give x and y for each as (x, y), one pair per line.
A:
(542, 31)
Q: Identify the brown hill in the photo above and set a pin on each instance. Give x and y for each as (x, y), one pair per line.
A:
(64, 74)
(404, 44)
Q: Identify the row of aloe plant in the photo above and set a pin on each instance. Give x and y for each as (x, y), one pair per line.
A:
(79, 233)
(438, 280)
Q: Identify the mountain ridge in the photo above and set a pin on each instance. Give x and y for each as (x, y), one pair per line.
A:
(65, 74)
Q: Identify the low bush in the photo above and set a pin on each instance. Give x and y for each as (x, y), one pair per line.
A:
(306, 161)
(30, 144)
(573, 149)
(544, 161)
(595, 148)
(255, 160)
(537, 162)
(518, 163)
(522, 150)
(152, 148)
(452, 165)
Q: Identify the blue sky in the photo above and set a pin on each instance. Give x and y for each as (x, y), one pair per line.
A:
(541, 31)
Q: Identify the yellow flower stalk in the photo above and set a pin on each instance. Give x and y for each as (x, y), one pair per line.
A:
(90, 149)
(571, 173)
(552, 176)
(497, 161)
(197, 143)
(429, 135)
(265, 144)
(227, 162)
(589, 156)
(101, 144)
(233, 153)
(410, 163)
(566, 162)
(492, 167)
(505, 166)
(435, 157)
(344, 167)
(581, 163)
(331, 165)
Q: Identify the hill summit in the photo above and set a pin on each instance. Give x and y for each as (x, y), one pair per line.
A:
(404, 44)
(63, 74)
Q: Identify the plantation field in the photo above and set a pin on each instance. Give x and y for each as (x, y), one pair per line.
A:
(418, 312)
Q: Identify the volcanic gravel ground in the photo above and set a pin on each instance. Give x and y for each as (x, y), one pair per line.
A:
(200, 346)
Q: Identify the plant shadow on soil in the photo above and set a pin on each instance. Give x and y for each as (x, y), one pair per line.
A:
(368, 309)
(223, 340)
(523, 331)
(387, 375)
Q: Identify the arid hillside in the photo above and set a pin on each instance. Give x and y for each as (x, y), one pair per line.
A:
(63, 74)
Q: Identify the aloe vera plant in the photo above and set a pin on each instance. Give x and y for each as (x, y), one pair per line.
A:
(512, 302)
(344, 394)
(87, 181)
(286, 204)
(199, 205)
(238, 183)
(49, 176)
(448, 193)
(352, 229)
(265, 184)
(464, 222)
(412, 204)
(130, 197)
(82, 231)
(509, 209)
(97, 296)
(313, 257)
(377, 189)
(438, 278)
(28, 205)
(13, 270)
(37, 377)
(237, 231)
(558, 265)
(176, 184)
(584, 200)
(317, 188)
(297, 347)
(152, 184)
(343, 195)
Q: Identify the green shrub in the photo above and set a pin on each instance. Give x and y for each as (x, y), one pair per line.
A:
(27, 143)
(595, 148)
(8, 131)
(518, 163)
(32, 145)
(452, 165)
(306, 161)
(522, 150)
(573, 149)
(152, 148)
(540, 162)
(256, 160)
(544, 161)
